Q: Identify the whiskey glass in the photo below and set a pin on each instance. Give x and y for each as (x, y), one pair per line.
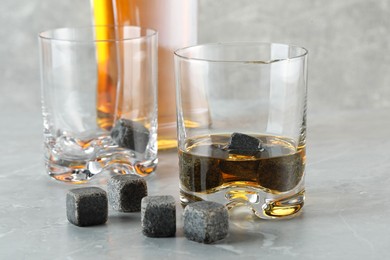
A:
(86, 130)
(248, 147)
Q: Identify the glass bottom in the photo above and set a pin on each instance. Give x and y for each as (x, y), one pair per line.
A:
(265, 205)
(71, 160)
(81, 173)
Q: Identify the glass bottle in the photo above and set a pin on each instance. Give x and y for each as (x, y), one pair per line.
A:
(176, 23)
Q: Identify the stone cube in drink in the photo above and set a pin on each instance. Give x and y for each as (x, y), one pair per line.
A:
(276, 168)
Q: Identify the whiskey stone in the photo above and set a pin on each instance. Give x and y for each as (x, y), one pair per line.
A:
(244, 144)
(125, 192)
(131, 135)
(199, 173)
(87, 206)
(206, 222)
(281, 174)
(158, 216)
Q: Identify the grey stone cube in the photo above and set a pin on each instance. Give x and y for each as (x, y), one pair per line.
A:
(87, 206)
(130, 134)
(125, 192)
(158, 216)
(206, 222)
(244, 144)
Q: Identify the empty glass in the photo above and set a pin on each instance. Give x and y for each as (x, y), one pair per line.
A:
(80, 68)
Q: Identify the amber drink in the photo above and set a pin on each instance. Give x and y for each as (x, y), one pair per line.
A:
(208, 169)
(252, 151)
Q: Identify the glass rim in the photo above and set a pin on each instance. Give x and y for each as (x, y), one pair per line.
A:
(48, 34)
(178, 53)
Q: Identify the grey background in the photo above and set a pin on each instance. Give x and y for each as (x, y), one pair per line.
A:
(348, 43)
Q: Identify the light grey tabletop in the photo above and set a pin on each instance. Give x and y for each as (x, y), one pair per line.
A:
(346, 215)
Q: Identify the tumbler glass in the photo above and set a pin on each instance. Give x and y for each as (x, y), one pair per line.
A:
(251, 151)
(74, 64)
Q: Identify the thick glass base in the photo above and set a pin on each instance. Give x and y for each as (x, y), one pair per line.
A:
(264, 204)
(77, 162)
(82, 173)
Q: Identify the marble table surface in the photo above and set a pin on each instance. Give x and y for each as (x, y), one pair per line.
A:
(346, 215)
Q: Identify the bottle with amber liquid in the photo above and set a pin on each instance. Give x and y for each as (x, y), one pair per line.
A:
(176, 23)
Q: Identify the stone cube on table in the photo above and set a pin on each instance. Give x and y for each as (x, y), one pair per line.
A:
(87, 206)
(158, 216)
(206, 222)
(125, 192)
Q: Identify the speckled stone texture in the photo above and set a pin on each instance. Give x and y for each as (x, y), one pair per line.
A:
(158, 216)
(125, 192)
(244, 144)
(87, 206)
(206, 222)
(130, 134)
